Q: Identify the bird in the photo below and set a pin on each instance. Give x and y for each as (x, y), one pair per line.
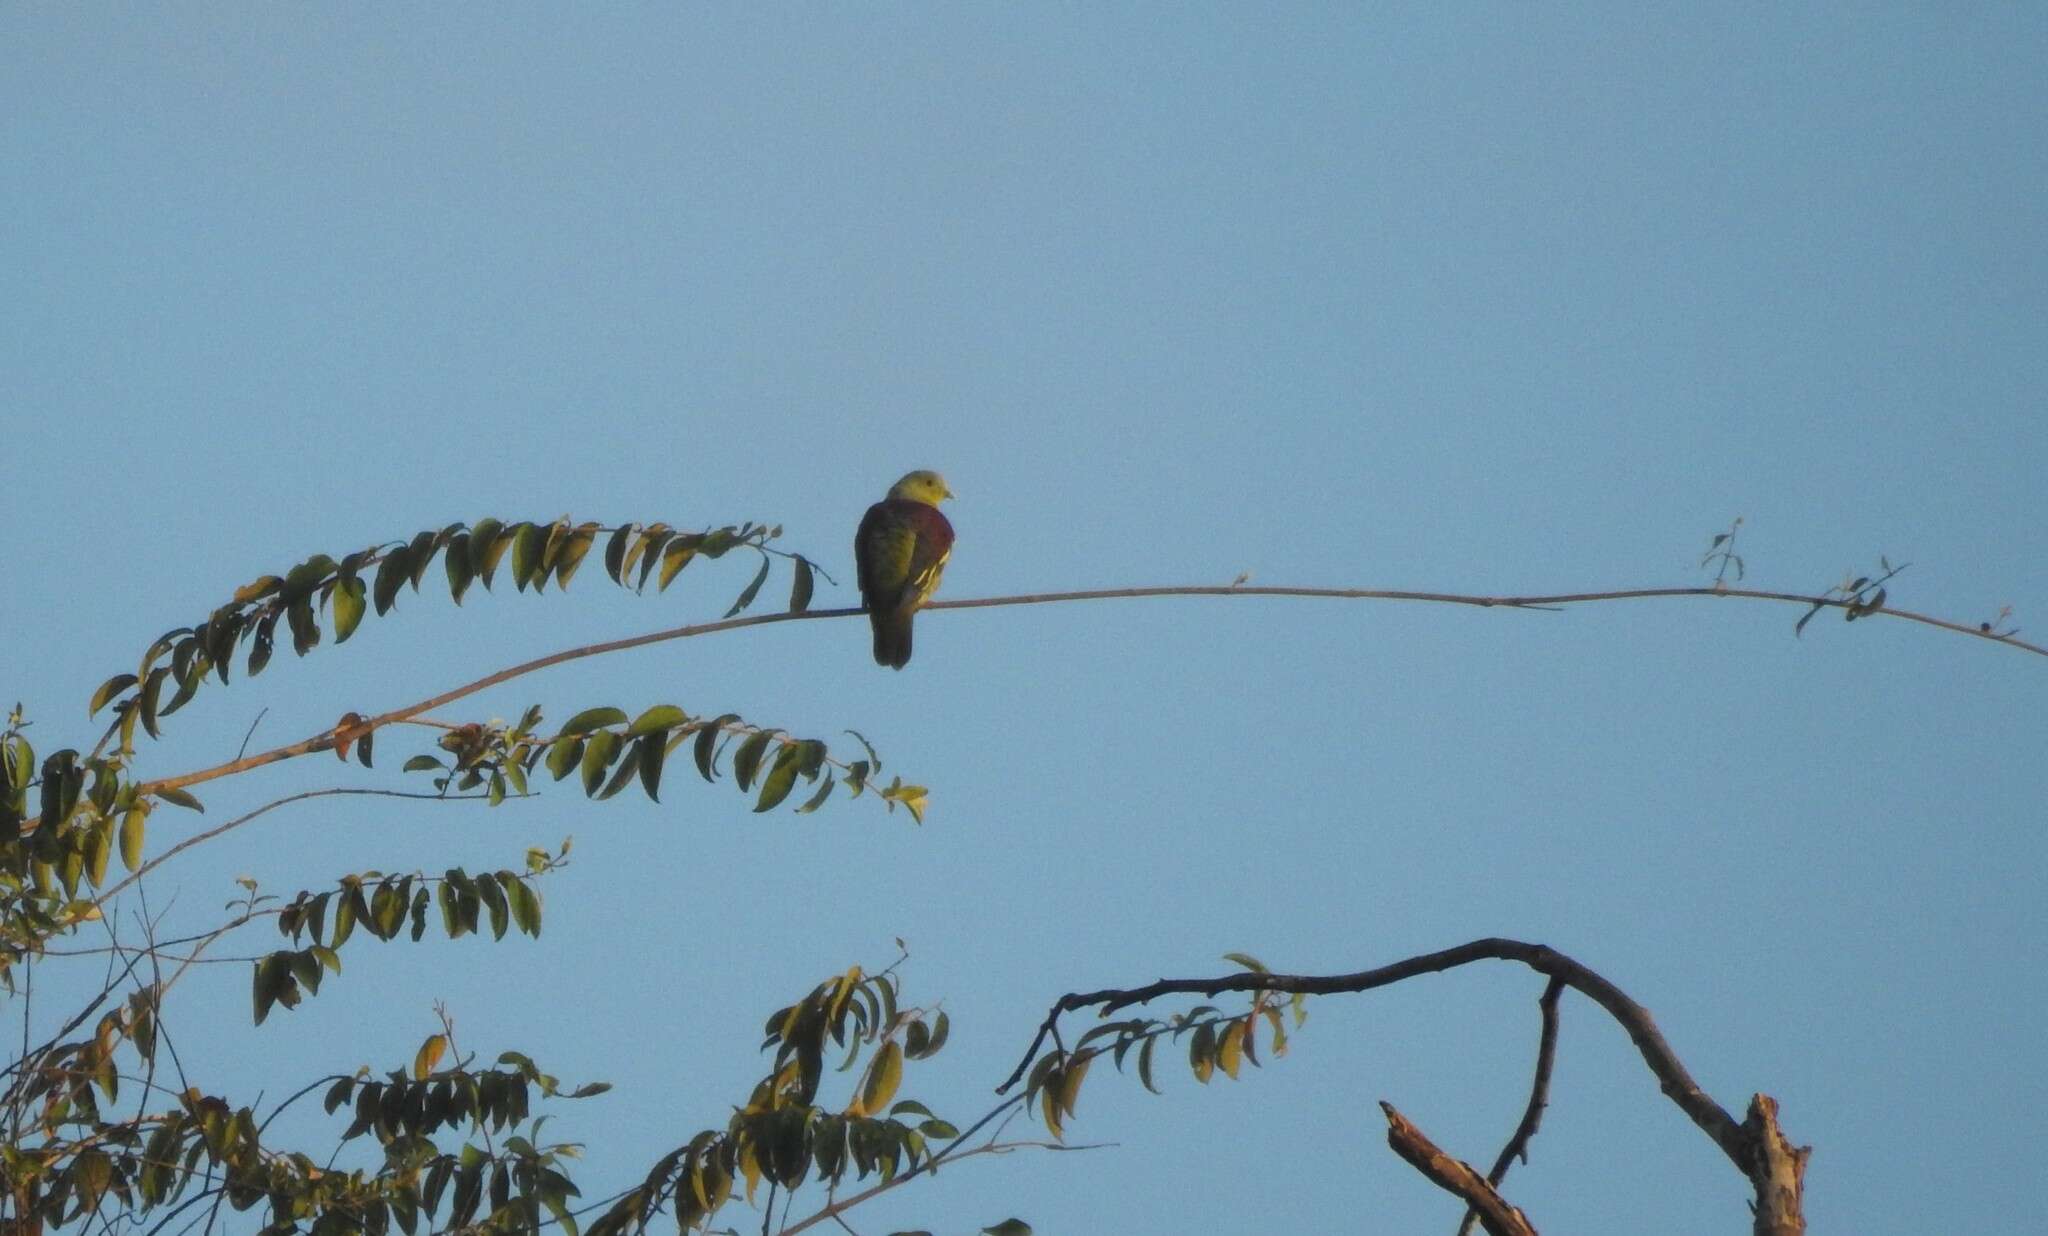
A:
(899, 553)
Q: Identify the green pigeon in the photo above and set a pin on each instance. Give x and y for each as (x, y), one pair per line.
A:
(899, 552)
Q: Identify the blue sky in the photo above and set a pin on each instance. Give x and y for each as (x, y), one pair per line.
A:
(1480, 298)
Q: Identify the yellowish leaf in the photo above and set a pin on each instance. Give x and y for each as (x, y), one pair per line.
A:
(429, 1055)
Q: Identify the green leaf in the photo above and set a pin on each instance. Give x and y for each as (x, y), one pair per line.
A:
(800, 587)
(628, 768)
(598, 754)
(305, 629)
(261, 645)
(747, 760)
(303, 578)
(874, 759)
(1008, 1227)
(338, 1094)
(752, 590)
(422, 550)
(615, 551)
(346, 909)
(273, 974)
(1202, 1052)
(563, 755)
(421, 763)
(884, 1075)
(391, 576)
(659, 717)
(646, 551)
(483, 536)
(108, 690)
(1230, 1048)
(188, 685)
(653, 750)
(348, 607)
(781, 778)
(525, 905)
(1145, 1063)
(570, 556)
(490, 888)
(305, 969)
(593, 718)
(817, 800)
(1248, 961)
(527, 543)
(152, 688)
(674, 558)
(451, 915)
(706, 751)
(98, 848)
(180, 798)
(456, 561)
(131, 835)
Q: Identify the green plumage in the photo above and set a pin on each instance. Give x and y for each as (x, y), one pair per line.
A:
(900, 551)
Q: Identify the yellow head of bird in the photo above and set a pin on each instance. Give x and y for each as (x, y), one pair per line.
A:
(923, 486)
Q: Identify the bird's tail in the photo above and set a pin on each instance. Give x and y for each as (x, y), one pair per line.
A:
(892, 638)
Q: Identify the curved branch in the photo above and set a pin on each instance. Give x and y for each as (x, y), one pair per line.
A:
(324, 740)
(1756, 1148)
(1676, 1083)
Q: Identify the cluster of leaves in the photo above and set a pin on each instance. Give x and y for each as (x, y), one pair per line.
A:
(87, 810)
(783, 1134)
(322, 587)
(609, 751)
(509, 1183)
(153, 1160)
(383, 905)
(1865, 595)
(1217, 1041)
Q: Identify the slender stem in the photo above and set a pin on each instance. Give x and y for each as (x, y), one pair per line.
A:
(240, 820)
(325, 739)
(1539, 1097)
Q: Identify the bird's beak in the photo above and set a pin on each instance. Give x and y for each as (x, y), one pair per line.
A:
(949, 493)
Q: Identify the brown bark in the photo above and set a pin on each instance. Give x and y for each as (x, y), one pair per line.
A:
(1777, 1169)
(1455, 1176)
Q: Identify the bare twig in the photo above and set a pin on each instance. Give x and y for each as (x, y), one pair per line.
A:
(244, 748)
(1455, 1176)
(240, 820)
(1539, 1097)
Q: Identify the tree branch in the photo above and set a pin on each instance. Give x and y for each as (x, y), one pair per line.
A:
(1455, 1176)
(1772, 1166)
(325, 739)
(1539, 1098)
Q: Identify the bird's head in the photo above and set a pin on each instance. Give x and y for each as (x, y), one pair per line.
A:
(923, 486)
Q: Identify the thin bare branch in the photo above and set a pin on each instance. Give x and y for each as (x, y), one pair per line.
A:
(325, 739)
(240, 820)
(1539, 1097)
